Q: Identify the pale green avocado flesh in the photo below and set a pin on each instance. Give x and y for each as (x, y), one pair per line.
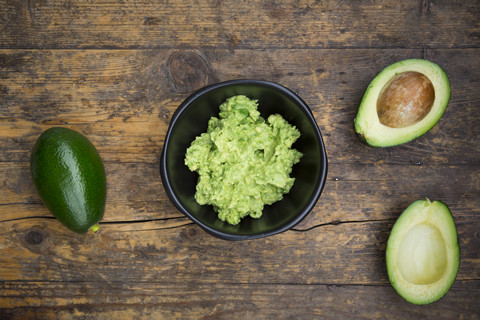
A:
(423, 253)
(243, 161)
(404, 101)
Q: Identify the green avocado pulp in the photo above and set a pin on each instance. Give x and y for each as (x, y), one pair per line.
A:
(423, 255)
(403, 102)
(243, 161)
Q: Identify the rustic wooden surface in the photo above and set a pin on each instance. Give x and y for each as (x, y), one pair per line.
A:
(116, 70)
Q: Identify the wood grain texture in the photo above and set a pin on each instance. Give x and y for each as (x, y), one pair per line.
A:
(135, 193)
(249, 23)
(116, 70)
(226, 301)
(123, 99)
(39, 249)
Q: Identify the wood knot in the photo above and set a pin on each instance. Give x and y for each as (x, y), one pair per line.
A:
(188, 234)
(36, 240)
(192, 232)
(188, 71)
(33, 237)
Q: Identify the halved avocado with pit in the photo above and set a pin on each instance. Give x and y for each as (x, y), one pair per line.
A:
(422, 253)
(402, 102)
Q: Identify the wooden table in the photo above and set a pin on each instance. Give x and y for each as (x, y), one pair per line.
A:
(116, 70)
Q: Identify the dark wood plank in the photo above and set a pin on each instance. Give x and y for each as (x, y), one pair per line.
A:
(154, 300)
(252, 24)
(123, 99)
(353, 192)
(165, 250)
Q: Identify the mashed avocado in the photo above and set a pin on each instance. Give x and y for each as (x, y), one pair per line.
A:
(243, 161)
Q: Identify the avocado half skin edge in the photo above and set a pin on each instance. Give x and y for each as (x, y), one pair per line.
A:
(367, 126)
(423, 212)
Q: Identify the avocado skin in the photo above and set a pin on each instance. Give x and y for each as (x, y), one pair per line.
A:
(442, 215)
(69, 176)
(389, 137)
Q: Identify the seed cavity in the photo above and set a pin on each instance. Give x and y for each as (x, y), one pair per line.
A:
(423, 255)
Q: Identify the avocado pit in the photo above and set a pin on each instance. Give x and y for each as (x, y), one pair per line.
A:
(406, 99)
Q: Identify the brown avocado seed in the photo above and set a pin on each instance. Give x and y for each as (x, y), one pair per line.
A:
(406, 99)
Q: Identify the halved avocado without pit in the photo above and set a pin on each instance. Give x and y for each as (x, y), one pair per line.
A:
(422, 253)
(402, 102)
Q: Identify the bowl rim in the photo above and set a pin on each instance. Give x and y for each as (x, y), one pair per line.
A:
(230, 236)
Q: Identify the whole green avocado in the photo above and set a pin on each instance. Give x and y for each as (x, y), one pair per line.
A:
(69, 176)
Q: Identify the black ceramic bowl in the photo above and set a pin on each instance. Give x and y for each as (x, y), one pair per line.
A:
(191, 119)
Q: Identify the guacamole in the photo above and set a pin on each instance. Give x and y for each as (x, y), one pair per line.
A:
(243, 161)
